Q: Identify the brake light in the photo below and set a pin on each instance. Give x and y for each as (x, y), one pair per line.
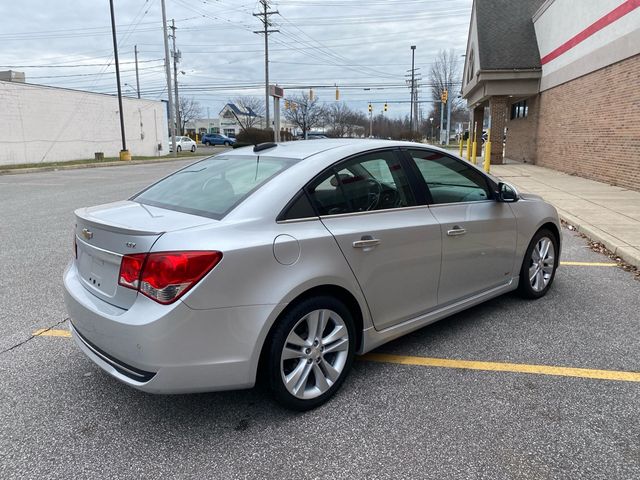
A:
(166, 276)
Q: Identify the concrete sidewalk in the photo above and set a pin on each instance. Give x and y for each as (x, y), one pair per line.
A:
(604, 213)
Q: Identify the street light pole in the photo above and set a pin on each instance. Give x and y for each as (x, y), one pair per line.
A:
(135, 51)
(124, 154)
(413, 72)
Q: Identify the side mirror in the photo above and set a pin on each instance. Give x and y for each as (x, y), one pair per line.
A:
(507, 193)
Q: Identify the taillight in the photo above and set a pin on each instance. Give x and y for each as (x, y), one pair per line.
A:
(166, 276)
(130, 270)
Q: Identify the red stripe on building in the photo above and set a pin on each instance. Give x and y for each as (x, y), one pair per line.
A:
(615, 14)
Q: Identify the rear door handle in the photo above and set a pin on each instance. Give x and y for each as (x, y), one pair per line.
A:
(367, 241)
(456, 230)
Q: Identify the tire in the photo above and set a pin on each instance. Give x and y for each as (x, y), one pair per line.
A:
(536, 285)
(193, 148)
(226, 144)
(207, 144)
(178, 149)
(315, 373)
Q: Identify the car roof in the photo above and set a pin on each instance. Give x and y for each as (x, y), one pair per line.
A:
(302, 149)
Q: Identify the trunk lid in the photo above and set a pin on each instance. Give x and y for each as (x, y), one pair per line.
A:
(107, 232)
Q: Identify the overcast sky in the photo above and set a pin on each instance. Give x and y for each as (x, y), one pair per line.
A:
(321, 43)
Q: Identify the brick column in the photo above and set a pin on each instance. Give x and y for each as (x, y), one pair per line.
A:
(498, 107)
(478, 117)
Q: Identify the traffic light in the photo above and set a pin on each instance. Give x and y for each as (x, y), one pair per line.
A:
(311, 94)
(444, 96)
(386, 107)
(370, 108)
(337, 94)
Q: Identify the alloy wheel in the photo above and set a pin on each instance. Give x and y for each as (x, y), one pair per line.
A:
(542, 264)
(314, 354)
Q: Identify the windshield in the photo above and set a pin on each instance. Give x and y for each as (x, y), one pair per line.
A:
(213, 186)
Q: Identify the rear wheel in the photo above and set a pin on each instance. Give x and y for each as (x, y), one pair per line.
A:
(179, 149)
(539, 265)
(193, 148)
(310, 353)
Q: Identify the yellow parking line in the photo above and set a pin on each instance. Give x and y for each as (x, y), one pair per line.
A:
(43, 332)
(589, 264)
(462, 364)
(505, 367)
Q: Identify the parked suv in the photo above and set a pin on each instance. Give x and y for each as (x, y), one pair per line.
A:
(217, 139)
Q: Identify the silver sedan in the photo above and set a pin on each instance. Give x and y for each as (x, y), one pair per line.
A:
(280, 262)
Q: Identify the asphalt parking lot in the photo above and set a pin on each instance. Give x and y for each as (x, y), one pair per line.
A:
(61, 417)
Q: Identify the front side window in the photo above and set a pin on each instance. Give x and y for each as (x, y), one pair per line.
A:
(213, 186)
(450, 180)
(375, 181)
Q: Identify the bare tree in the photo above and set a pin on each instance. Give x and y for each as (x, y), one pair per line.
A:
(343, 121)
(304, 113)
(445, 74)
(249, 104)
(190, 109)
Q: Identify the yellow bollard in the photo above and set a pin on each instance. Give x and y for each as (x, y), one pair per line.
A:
(469, 147)
(487, 152)
(474, 150)
(487, 156)
(125, 155)
(461, 146)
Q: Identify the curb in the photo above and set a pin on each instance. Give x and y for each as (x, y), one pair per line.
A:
(626, 252)
(116, 163)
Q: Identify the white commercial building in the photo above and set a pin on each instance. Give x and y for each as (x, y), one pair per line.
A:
(46, 124)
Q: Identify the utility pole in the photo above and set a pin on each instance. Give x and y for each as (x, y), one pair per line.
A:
(266, 31)
(124, 154)
(449, 102)
(135, 51)
(176, 59)
(442, 106)
(413, 79)
(167, 65)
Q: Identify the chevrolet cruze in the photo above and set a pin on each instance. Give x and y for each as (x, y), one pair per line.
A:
(281, 262)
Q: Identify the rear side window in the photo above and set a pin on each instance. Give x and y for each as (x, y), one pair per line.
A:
(450, 180)
(214, 186)
(374, 181)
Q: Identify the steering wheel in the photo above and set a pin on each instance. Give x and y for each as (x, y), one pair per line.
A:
(390, 198)
(374, 191)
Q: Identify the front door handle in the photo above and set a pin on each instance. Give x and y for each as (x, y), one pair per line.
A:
(456, 230)
(367, 241)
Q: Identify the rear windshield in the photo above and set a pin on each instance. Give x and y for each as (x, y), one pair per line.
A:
(213, 186)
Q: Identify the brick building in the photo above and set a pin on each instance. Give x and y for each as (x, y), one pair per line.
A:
(561, 79)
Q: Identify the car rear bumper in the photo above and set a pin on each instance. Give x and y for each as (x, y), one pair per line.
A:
(168, 348)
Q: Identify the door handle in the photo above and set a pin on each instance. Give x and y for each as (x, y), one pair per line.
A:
(456, 230)
(367, 241)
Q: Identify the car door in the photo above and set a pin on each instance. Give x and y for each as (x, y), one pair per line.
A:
(392, 244)
(478, 233)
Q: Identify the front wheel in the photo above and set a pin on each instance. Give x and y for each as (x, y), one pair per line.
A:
(226, 144)
(539, 266)
(310, 353)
